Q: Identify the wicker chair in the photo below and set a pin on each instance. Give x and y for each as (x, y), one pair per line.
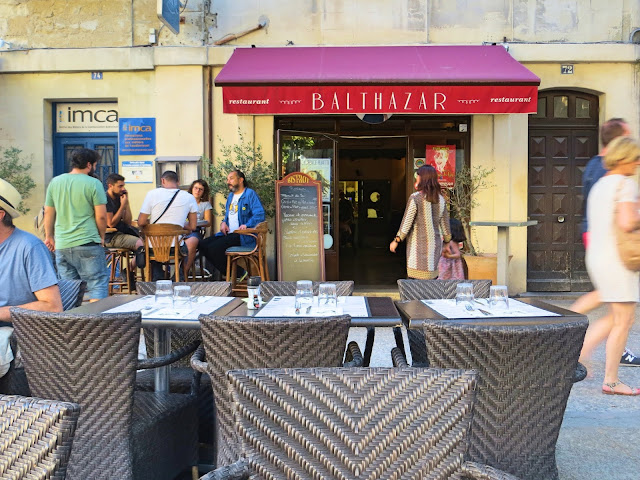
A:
(433, 289)
(373, 423)
(250, 342)
(525, 374)
(268, 290)
(255, 257)
(14, 382)
(161, 242)
(181, 371)
(35, 437)
(92, 360)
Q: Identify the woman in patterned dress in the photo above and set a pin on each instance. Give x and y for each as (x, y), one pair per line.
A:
(425, 226)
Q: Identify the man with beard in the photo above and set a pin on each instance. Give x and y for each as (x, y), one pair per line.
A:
(243, 210)
(75, 219)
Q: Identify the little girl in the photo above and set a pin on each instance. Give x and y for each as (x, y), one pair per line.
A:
(450, 265)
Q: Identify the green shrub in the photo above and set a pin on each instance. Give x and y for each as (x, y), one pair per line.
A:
(16, 170)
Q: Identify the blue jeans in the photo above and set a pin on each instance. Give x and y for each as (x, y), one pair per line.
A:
(88, 263)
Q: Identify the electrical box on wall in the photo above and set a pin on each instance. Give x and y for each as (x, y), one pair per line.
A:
(188, 168)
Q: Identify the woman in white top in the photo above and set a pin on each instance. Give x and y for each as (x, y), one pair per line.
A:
(613, 204)
(200, 190)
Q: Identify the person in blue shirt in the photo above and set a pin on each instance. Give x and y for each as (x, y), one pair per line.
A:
(243, 210)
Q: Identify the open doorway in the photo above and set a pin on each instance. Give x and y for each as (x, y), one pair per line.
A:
(372, 189)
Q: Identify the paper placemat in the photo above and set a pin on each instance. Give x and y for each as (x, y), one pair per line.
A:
(285, 307)
(200, 304)
(482, 309)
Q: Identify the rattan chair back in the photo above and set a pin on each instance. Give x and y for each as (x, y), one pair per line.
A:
(525, 374)
(90, 360)
(162, 241)
(249, 342)
(72, 293)
(374, 423)
(268, 290)
(35, 437)
(428, 290)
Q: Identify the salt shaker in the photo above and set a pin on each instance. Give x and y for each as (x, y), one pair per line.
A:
(253, 292)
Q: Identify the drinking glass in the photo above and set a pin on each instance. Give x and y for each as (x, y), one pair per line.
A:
(464, 295)
(499, 297)
(182, 297)
(327, 298)
(164, 293)
(304, 296)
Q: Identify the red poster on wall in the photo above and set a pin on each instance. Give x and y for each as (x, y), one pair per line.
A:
(443, 157)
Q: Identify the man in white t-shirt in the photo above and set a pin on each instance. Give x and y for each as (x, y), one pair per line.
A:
(169, 205)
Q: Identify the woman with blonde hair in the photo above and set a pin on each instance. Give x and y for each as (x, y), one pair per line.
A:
(425, 225)
(613, 204)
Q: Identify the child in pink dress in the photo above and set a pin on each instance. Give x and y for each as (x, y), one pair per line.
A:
(450, 265)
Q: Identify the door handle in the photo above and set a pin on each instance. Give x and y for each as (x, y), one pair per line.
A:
(560, 219)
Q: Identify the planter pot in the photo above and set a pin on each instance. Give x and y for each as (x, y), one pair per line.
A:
(483, 267)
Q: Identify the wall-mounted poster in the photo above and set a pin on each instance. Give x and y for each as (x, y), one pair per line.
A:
(443, 157)
(318, 169)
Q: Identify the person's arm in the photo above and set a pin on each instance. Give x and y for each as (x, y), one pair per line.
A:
(49, 225)
(123, 214)
(101, 220)
(454, 251)
(208, 217)
(406, 224)
(192, 220)
(256, 211)
(627, 216)
(47, 300)
(143, 219)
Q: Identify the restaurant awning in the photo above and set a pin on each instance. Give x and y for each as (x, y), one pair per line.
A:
(431, 79)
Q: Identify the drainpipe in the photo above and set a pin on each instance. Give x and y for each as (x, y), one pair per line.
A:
(263, 22)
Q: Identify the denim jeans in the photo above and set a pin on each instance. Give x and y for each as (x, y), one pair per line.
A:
(88, 263)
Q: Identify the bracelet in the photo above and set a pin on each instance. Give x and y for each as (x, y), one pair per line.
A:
(397, 239)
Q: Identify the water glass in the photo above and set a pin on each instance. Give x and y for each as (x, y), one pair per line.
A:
(182, 297)
(499, 297)
(327, 298)
(464, 295)
(164, 293)
(304, 296)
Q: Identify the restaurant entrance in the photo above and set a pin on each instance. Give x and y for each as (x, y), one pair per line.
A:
(366, 172)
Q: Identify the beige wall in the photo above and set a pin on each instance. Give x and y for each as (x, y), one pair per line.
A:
(173, 95)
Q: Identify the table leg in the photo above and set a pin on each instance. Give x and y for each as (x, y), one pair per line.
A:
(162, 346)
(503, 256)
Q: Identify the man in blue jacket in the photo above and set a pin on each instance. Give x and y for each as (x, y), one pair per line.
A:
(243, 210)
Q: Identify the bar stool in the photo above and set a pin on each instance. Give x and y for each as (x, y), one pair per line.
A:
(119, 259)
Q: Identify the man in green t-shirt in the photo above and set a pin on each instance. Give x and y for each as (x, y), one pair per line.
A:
(75, 209)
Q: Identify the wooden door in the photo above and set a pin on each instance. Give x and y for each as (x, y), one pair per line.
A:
(562, 139)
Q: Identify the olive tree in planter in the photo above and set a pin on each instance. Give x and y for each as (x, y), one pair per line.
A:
(463, 199)
(17, 171)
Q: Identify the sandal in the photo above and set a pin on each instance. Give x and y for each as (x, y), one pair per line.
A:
(608, 389)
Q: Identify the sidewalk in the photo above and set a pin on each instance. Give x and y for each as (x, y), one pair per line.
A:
(599, 435)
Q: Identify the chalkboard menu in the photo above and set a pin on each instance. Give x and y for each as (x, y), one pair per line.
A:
(299, 228)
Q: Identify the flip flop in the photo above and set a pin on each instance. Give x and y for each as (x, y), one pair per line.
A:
(608, 389)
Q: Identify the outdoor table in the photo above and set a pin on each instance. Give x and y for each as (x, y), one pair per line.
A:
(161, 328)
(415, 312)
(503, 245)
(375, 330)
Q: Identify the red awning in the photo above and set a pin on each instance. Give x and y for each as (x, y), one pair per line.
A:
(411, 79)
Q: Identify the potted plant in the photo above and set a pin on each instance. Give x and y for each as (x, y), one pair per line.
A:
(463, 198)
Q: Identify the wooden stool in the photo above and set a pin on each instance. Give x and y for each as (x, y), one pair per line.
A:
(119, 259)
(253, 258)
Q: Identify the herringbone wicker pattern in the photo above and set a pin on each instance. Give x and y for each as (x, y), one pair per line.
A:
(35, 437)
(360, 423)
(268, 290)
(433, 289)
(92, 360)
(248, 342)
(525, 374)
(71, 292)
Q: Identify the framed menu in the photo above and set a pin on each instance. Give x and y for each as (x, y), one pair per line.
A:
(299, 228)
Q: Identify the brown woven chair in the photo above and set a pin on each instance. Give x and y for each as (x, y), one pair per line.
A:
(161, 244)
(14, 382)
(181, 371)
(92, 360)
(250, 342)
(268, 290)
(428, 290)
(35, 437)
(255, 258)
(373, 423)
(525, 374)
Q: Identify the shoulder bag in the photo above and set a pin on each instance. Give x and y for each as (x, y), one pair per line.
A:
(628, 242)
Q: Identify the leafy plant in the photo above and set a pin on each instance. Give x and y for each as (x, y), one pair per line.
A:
(463, 196)
(16, 170)
(244, 156)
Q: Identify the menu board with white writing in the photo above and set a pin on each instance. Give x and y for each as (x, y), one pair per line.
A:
(299, 228)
